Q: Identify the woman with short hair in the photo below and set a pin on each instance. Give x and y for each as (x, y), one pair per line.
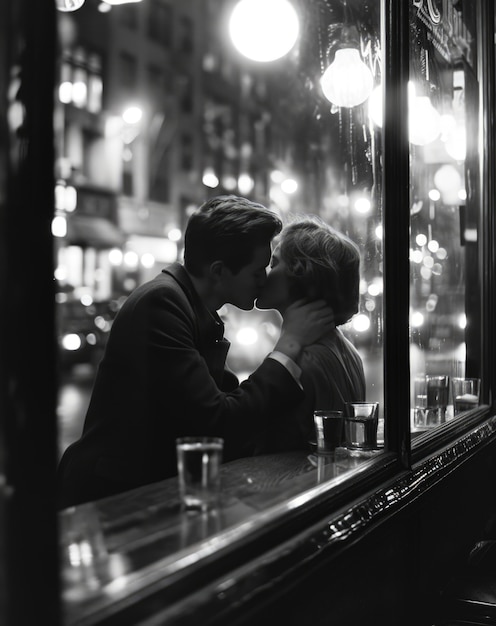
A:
(314, 261)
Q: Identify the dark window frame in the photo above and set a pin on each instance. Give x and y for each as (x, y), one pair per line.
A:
(30, 402)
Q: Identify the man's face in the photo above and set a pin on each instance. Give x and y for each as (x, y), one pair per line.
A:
(243, 288)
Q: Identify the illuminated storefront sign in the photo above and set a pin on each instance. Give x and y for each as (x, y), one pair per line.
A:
(449, 32)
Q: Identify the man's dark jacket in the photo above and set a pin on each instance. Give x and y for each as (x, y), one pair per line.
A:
(163, 375)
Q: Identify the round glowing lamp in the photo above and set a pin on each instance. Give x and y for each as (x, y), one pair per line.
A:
(117, 2)
(347, 82)
(68, 5)
(264, 30)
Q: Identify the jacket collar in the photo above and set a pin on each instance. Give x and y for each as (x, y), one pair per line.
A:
(209, 318)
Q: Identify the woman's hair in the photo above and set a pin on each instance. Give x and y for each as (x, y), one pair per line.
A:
(227, 228)
(322, 263)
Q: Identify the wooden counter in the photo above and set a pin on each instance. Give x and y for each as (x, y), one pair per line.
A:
(288, 540)
(112, 548)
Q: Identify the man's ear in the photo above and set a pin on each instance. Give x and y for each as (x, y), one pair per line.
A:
(216, 271)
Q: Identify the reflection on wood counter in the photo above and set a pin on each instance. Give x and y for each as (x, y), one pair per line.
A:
(113, 548)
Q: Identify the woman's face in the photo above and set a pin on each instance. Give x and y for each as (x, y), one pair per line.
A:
(275, 293)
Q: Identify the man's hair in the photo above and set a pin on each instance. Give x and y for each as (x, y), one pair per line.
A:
(228, 229)
(322, 263)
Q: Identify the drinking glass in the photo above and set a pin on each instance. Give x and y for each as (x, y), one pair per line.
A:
(466, 394)
(437, 399)
(198, 463)
(360, 425)
(419, 401)
(328, 430)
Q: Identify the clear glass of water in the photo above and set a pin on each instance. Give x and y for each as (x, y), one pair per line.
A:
(360, 425)
(198, 463)
(437, 399)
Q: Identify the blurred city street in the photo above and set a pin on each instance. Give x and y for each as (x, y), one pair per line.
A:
(73, 399)
(75, 391)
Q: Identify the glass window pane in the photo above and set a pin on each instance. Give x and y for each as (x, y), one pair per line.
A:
(294, 133)
(444, 204)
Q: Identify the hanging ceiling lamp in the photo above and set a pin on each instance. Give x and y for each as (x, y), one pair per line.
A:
(347, 82)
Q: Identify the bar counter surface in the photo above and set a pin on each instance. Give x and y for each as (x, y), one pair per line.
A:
(138, 558)
(113, 547)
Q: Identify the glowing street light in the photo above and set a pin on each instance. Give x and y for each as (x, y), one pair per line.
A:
(116, 2)
(68, 5)
(264, 30)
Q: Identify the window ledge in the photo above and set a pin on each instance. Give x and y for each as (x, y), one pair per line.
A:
(159, 556)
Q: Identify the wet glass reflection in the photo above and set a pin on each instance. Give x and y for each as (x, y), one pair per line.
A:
(146, 132)
(444, 203)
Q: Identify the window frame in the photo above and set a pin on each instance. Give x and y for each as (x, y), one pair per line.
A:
(24, 427)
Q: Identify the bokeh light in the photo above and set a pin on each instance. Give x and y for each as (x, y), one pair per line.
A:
(264, 30)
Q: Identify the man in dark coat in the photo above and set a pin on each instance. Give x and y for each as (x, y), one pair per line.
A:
(163, 374)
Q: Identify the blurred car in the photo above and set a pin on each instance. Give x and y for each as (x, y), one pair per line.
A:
(82, 331)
